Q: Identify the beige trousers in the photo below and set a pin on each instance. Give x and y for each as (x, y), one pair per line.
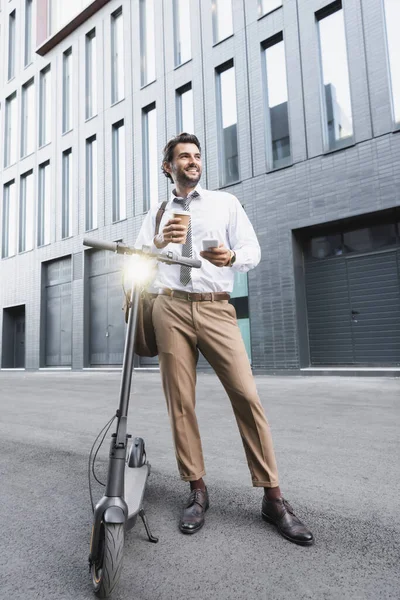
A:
(182, 327)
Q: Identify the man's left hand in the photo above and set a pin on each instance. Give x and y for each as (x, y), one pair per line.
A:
(220, 257)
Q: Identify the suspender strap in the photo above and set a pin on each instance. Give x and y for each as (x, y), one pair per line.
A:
(159, 216)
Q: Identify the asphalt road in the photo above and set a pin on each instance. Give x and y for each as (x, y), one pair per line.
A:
(337, 445)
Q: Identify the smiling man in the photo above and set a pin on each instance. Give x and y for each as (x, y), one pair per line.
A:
(192, 313)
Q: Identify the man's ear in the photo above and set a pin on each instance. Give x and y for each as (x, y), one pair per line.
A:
(166, 167)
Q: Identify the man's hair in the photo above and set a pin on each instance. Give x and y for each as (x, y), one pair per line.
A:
(182, 138)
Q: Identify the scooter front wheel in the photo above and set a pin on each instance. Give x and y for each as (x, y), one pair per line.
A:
(106, 570)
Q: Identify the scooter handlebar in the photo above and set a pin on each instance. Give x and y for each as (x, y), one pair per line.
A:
(100, 244)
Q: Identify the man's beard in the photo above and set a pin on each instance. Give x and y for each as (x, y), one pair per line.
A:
(185, 181)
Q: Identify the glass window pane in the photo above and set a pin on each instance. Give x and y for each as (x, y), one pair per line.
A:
(9, 236)
(277, 104)
(228, 127)
(62, 12)
(45, 106)
(91, 79)
(324, 246)
(222, 19)
(150, 158)
(119, 178)
(265, 6)
(67, 90)
(147, 41)
(117, 57)
(91, 184)
(370, 238)
(28, 32)
(183, 51)
(28, 119)
(185, 120)
(44, 205)
(10, 132)
(392, 9)
(27, 213)
(337, 102)
(11, 45)
(66, 225)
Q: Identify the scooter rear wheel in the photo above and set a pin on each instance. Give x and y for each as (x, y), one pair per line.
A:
(106, 570)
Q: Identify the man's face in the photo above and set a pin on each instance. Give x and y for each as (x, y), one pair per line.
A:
(185, 167)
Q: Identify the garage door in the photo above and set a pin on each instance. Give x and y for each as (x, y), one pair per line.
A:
(106, 318)
(58, 313)
(353, 309)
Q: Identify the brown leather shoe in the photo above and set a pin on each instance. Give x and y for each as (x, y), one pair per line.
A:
(193, 514)
(280, 513)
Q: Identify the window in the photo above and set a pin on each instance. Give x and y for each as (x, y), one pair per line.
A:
(67, 90)
(150, 157)
(63, 11)
(10, 132)
(91, 80)
(222, 19)
(336, 100)
(147, 41)
(28, 33)
(184, 109)
(117, 57)
(45, 106)
(392, 10)
(266, 6)
(28, 119)
(11, 45)
(183, 51)
(26, 212)
(91, 184)
(66, 212)
(9, 221)
(227, 124)
(44, 205)
(119, 187)
(277, 122)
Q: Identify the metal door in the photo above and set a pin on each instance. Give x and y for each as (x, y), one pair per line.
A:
(58, 314)
(106, 323)
(374, 289)
(19, 347)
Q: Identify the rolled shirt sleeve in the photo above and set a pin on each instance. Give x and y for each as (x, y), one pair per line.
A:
(242, 238)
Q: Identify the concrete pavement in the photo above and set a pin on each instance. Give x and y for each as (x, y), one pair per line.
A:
(337, 445)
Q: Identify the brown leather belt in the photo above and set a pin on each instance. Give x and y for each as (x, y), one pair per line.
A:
(196, 296)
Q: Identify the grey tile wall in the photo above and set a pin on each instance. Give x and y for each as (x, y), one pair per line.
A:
(316, 189)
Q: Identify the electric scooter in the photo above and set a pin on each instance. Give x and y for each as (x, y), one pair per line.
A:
(128, 468)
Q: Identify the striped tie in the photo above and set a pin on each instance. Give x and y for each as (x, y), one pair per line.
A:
(187, 250)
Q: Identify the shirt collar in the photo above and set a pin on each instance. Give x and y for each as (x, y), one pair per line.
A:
(194, 193)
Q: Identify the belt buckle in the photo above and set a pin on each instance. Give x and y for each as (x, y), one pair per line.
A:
(189, 297)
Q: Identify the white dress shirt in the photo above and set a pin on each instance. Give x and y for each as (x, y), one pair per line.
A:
(216, 215)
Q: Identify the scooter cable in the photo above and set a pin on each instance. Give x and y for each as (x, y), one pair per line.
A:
(91, 464)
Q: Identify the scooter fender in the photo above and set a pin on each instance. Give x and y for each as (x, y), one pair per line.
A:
(114, 514)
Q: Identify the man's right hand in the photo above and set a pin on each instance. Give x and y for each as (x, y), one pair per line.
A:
(173, 232)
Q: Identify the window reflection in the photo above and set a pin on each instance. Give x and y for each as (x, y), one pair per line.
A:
(337, 100)
(183, 50)
(277, 103)
(228, 126)
(9, 220)
(150, 157)
(185, 119)
(147, 41)
(222, 19)
(265, 6)
(392, 10)
(117, 57)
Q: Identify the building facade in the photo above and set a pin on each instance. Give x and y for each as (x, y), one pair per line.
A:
(297, 106)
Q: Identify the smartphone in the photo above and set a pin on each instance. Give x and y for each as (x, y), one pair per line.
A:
(207, 244)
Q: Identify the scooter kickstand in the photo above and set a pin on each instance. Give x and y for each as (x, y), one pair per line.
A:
(151, 537)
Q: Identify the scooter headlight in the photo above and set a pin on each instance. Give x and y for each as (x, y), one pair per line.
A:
(138, 269)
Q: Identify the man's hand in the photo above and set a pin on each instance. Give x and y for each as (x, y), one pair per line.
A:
(220, 257)
(173, 232)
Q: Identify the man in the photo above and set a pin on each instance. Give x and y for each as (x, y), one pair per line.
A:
(192, 313)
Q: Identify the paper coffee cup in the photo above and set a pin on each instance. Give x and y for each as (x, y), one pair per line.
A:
(184, 216)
